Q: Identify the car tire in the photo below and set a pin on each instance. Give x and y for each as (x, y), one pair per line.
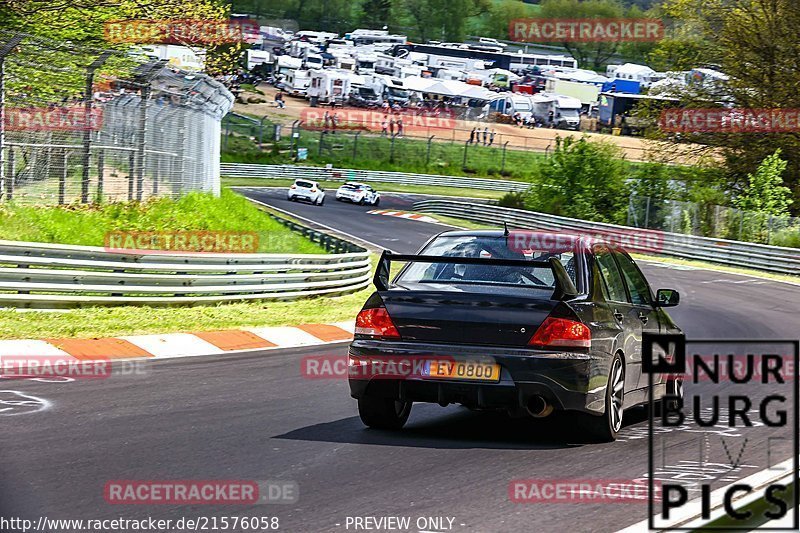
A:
(377, 201)
(362, 201)
(604, 428)
(383, 413)
(321, 200)
(675, 400)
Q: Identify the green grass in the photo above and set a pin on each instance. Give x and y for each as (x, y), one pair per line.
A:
(89, 224)
(109, 322)
(433, 190)
(371, 152)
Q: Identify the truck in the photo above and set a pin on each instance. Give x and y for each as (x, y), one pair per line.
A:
(390, 89)
(616, 110)
(564, 110)
(328, 86)
(622, 86)
(587, 93)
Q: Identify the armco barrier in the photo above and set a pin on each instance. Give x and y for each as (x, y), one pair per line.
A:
(245, 170)
(732, 253)
(40, 275)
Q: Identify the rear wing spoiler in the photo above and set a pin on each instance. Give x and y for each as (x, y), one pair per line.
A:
(564, 288)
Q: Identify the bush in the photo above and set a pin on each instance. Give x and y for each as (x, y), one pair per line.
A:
(515, 200)
(582, 179)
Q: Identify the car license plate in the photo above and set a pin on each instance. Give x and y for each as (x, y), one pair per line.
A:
(470, 370)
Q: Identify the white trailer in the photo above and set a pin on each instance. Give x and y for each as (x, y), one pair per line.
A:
(327, 86)
(563, 112)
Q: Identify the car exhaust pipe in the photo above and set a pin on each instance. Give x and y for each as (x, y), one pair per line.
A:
(538, 407)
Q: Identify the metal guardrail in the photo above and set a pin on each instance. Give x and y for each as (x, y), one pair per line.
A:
(720, 251)
(41, 275)
(246, 170)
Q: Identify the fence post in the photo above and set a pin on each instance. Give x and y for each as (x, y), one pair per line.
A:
(6, 179)
(261, 131)
(321, 141)
(503, 164)
(9, 179)
(355, 145)
(142, 139)
(546, 150)
(391, 150)
(464, 161)
(100, 174)
(87, 121)
(428, 157)
(131, 166)
(62, 180)
(647, 213)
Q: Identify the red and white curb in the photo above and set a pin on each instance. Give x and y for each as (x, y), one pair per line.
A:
(170, 345)
(404, 214)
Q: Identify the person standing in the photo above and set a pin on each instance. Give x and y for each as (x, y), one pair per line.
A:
(385, 126)
(491, 138)
(485, 134)
(279, 100)
(472, 135)
(391, 127)
(399, 126)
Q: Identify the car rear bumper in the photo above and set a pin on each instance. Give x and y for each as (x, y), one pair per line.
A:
(567, 381)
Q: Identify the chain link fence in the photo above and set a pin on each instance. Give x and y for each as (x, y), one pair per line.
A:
(90, 125)
(713, 221)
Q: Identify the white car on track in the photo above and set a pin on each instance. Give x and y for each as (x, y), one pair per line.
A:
(358, 193)
(306, 190)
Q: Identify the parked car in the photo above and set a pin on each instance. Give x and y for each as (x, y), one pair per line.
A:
(307, 190)
(358, 193)
(537, 324)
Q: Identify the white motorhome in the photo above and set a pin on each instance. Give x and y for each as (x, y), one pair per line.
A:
(258, 57)
(391, 89)
(367, 37)
(317, 37)
(296, 82)
(329, 85)
(302, 48)
(285, 64)
(365, 62)
(563, 112)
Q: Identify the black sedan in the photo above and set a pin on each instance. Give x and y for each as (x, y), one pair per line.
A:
(529, 322)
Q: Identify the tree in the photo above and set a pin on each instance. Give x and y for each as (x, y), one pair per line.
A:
(375, 13)
(754, 42)
(582, 179)
(442, 19)
(593, 55)
(765, 191)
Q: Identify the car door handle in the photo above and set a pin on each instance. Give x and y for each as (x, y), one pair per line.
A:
(619, 316)
(643, 317)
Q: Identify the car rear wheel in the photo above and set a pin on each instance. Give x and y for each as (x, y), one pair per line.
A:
(362, 201)
(377, 201)
(383, 413)
(605, 428)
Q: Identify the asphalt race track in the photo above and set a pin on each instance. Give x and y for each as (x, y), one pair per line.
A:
(254, 417)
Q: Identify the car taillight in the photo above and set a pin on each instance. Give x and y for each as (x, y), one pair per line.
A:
(562, 332)
(375, 323)
(313, 190)
(294, 186)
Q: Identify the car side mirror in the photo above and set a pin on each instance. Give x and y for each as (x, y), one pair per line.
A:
(667, 298)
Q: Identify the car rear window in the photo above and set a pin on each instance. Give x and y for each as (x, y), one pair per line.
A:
(304, 184)
(486, 247)
(350, 187)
